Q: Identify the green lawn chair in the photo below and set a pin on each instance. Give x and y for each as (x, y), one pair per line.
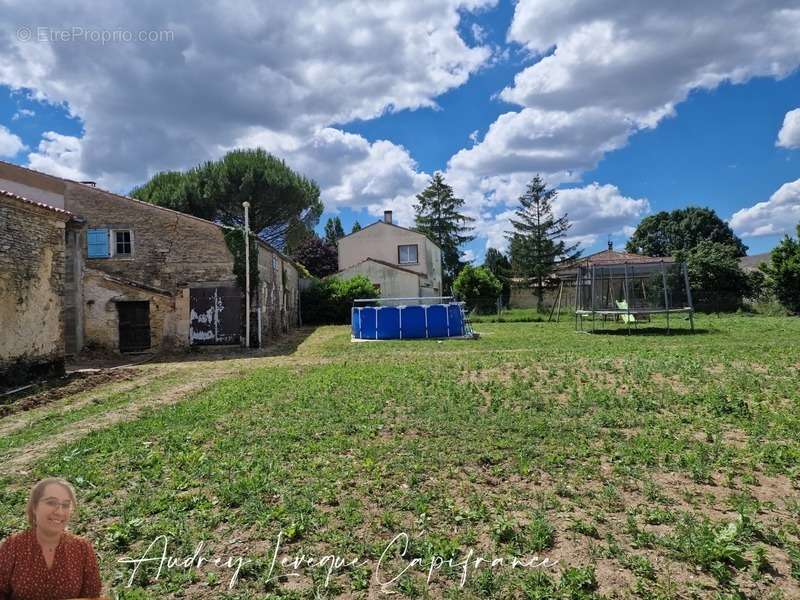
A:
(626, 318)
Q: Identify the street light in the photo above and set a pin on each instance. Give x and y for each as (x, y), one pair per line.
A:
(246, 206)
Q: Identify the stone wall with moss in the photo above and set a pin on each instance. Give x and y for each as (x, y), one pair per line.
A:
(32, 256)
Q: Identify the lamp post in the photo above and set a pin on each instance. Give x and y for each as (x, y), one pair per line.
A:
(246, 206)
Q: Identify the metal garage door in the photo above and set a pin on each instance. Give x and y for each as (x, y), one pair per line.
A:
(215, 315)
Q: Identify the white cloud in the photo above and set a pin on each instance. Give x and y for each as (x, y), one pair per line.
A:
(780, 214)
(22, 113)
(59, 155)
(789, 135)
(643, 58)
(594, 211)
(599, 210)
(547, 142)
(350, 170)
(468, 256)
(290, 68)
(10, 144)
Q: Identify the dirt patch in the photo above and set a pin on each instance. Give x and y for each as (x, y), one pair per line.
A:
(18, 461)
(71, 385)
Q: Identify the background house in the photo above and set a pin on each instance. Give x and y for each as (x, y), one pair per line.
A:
(400, 262)
(524, 296)
(144, 277)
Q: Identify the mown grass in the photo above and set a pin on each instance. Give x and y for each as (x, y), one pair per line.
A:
(650, 466)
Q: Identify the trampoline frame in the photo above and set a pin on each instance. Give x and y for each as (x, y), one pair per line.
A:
(631, 271)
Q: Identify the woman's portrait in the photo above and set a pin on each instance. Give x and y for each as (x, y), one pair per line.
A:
(46, 561)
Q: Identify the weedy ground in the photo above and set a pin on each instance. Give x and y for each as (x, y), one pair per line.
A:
(649, 466)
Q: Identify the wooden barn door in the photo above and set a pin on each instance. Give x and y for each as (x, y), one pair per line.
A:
(134, 326)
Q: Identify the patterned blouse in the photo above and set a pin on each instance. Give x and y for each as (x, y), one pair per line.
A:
(24, 574)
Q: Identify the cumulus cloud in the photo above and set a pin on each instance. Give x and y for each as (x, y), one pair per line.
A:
(780, 214)
(644, 58)
(350, 170)
(594, 211)
(789, 135)
(290, 68)
(10, 144)
(545, 142)
(22, 113)
(59, 155)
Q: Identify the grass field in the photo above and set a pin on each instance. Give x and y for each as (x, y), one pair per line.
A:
(649, 466)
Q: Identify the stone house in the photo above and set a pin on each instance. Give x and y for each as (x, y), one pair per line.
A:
(152, 278)
(400, 262)
(37, 291)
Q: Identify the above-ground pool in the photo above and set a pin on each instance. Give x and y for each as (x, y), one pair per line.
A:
(408, 322)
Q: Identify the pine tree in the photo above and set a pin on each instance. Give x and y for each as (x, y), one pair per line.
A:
(437, 216)
(356, 227)
(536, 241)
(333, 231)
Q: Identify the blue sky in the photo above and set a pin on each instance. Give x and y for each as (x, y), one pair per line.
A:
(624, 117)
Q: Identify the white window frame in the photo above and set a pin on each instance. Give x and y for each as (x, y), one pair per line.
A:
(113, 244)
(400, 260)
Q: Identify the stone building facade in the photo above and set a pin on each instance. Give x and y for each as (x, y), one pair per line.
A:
(33, 288)
(148, 278)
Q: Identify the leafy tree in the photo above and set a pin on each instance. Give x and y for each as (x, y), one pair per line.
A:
(279, 197)
(437, 216)
(783, 272)
(500, 267)
(665, 233)
(478, 287)
(329, 301)
(537, 239)
(718, 282)
(356, 227)
(333, 231)
(321, 259)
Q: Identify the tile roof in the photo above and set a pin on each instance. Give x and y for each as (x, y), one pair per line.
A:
(55, 209)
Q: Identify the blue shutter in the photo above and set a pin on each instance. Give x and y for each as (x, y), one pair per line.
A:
(97, 241)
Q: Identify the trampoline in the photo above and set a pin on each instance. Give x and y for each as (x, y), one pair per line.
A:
(632, 293)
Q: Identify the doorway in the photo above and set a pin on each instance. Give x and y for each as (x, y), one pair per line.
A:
(134, 326)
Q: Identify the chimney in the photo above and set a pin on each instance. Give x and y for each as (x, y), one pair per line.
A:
(387, 217)
(610, 245)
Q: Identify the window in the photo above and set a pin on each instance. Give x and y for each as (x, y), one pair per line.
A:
(97, 243)
(407, 255)
(123, 242)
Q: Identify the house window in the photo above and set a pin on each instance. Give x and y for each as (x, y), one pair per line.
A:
(407, 255)
(123, 242)
(97, 243)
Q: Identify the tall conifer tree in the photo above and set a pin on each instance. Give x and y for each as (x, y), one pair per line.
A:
(437, 216)
(537, 243)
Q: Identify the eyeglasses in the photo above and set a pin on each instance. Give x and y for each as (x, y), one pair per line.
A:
(55, 504)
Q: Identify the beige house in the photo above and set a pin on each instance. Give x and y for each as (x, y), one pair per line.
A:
(401, 263)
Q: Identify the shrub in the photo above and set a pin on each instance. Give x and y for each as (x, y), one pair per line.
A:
(328, 301)
(783, 273)
(718, 282)
(478, 288)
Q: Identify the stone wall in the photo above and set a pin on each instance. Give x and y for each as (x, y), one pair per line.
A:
(278, 293)
(32, 256)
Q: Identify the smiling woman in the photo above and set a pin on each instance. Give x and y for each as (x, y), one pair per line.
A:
(46, 561)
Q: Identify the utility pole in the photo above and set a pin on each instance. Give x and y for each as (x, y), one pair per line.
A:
(246, 206)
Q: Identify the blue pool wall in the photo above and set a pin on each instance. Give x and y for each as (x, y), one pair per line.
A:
(407, 322)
